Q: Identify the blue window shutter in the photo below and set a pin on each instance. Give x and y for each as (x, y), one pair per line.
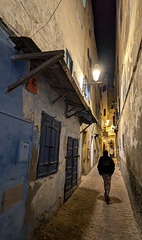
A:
(69, 61)
(49, 146)
(71, 166)
(84, 2)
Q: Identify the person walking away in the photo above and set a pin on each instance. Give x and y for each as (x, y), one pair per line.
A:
(106, 168)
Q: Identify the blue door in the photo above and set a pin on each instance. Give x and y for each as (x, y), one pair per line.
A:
(71, 167)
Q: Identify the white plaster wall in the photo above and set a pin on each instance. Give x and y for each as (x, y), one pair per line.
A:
(54, 25)
(62, 30)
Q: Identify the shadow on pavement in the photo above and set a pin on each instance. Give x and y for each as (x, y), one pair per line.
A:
(71, 219)
(112, 199)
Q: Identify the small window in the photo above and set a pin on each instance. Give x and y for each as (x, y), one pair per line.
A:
(86, 89)
(100, 91)
(112, 106)
(88, 53)
(90, 62)
(69, 61)
(113, 120)
(123, 141)
(89, 58)
(118, 107)
(84, 2)
(104, 88)
(123, 84)
(104, 111)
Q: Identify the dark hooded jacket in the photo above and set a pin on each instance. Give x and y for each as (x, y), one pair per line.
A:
(106, 165)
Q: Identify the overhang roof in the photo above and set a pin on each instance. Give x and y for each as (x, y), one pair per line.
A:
(52, 65)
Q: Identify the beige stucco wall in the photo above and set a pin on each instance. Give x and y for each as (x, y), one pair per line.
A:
(128, 52)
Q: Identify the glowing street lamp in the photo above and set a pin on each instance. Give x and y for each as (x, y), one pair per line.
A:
(96, 72)
(107, 122)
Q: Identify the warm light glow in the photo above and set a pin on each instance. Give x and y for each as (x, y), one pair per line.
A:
(107, 122)
(96, 72)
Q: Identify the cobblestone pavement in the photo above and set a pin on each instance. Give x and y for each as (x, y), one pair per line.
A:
(86, 216)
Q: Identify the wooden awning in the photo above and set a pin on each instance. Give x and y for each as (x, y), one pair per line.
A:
(52, 65)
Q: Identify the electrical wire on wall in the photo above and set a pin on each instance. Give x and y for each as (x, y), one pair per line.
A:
(48, 20)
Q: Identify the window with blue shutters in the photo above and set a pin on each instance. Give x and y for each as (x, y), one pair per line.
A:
(123, 143)
(123, 83)
(84, 2)
(49, 146)
(69, 61)
(86, 88)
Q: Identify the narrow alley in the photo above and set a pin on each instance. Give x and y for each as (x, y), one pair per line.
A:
(86, 216)
(70, 92)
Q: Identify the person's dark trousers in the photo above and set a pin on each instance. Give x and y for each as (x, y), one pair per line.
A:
(107, 185)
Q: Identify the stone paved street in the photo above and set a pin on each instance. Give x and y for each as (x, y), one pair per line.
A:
(86, 216)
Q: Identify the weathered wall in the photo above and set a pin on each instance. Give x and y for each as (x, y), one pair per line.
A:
(61, 31)
(20, 116)
(129, 78)
(49, 190)
(90, 152)
(68, 27)
(15, 131)
(130, 57)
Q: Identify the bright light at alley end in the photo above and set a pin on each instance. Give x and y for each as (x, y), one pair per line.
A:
(96, 72)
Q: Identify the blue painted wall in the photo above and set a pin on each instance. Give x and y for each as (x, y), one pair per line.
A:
(13, 130)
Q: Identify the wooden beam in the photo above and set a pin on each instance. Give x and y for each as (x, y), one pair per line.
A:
(64, 89)
(37, 55)
(60, 97)
(73, 156)
(92, 83)
(73, 104)
(74, 84)
(86, 127)
(35, 71)
(71, 109)
(75, 113)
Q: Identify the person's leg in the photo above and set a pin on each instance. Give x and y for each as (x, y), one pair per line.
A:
(107, 185)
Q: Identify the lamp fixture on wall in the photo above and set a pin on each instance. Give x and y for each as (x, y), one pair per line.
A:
(96, 72)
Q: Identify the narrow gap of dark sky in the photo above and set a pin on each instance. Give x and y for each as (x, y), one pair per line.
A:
(104, 28)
